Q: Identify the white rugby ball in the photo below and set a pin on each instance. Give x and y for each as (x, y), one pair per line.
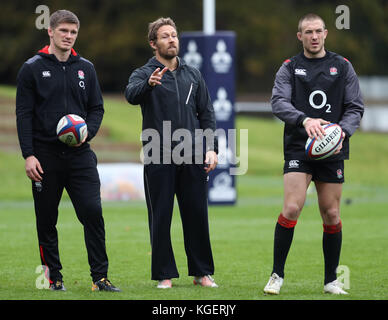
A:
(318, 149)
(71, 129)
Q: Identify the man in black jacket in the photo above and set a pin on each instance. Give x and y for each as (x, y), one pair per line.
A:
(51, 84)
(311, 89)
(173, 96)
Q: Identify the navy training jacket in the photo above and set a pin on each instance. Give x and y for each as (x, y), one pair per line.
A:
(48, 89)
(182, 99)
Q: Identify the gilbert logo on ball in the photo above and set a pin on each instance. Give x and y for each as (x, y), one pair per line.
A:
(318, 149)
(71, 129)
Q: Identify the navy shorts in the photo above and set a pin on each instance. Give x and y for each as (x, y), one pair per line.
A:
(325, 171)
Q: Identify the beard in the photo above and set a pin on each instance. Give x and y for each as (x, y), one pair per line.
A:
(166, 54)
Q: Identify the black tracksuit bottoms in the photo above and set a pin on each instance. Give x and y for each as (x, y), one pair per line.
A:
(74, 169)
(189, 183)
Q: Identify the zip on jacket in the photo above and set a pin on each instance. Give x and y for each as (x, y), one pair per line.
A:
(48, 89)
(164, 102)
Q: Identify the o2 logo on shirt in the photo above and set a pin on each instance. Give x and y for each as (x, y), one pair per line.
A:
(322, 104)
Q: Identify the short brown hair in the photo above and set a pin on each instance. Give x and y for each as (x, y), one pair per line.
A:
(154, 26)
(310, 16)
(63, 16)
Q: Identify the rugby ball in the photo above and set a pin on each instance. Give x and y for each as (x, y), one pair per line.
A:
(318, 149)
(71, 129)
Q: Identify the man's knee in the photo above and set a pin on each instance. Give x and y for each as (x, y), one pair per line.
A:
(291, 210)
(89, 211)
(330, 216)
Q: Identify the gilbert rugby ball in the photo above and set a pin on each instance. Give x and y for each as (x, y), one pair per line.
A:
(71, 129)
(318, 149)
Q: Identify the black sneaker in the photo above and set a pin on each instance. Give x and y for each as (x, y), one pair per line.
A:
(104, 285)
(57, 285)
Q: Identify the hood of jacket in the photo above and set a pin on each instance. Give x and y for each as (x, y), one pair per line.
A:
(44, 52)
(155, 63)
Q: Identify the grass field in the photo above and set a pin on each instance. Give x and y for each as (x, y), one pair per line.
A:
(242, 235)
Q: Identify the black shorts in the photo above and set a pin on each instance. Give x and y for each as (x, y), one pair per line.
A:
(330, 171)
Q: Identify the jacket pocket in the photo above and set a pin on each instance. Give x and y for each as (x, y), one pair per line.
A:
(189, 94)
(190, 97)
(50, 122)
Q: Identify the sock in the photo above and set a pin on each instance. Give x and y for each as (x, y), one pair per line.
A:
(331, 243)
(284, 232)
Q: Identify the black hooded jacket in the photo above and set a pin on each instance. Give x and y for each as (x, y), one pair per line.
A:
(182, 99)
(48, 89)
